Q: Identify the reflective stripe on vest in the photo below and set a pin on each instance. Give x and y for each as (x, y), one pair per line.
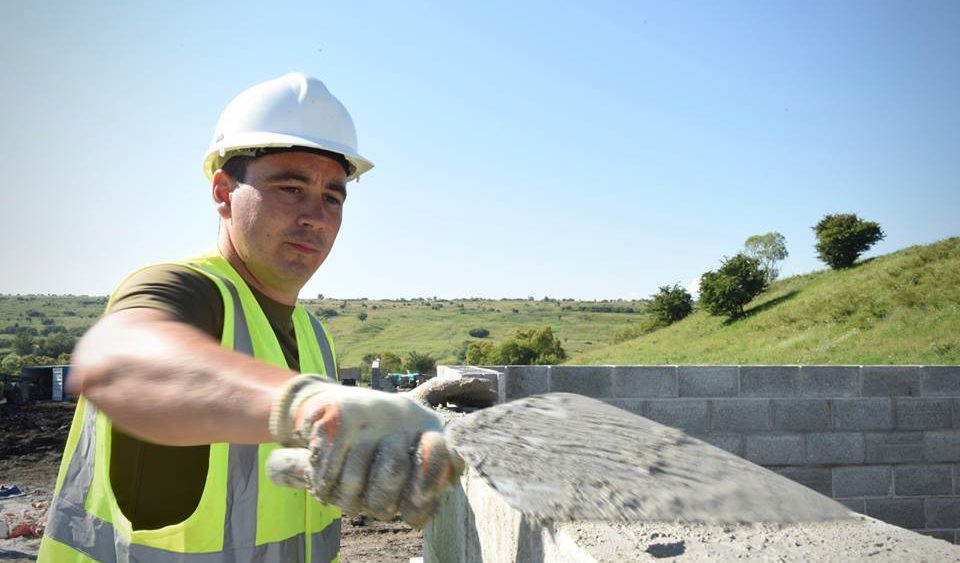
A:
(72, 525)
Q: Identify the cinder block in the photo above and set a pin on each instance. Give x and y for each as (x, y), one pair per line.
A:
(903, 512)
(801, 414)
(644, 381)
(708, 381)
(924, 414)
(830, 381)
(945, 535)
(835, 448)
(863, 481)
(781, 449)
(941, 445)
(634, 406)
(942, 512)
(890, 381)
(739, 415)
(893, 447)
(857, 505)
(819, 479)
(522, 381)
(592, 381)
(940, 381)
(729, 442)
(922, 480)
(863, 414)
(689, 415)
(769, 381)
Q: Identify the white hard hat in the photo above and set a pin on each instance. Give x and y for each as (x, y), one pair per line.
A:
(294, 110)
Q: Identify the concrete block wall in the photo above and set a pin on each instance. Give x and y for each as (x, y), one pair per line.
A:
(883, 440)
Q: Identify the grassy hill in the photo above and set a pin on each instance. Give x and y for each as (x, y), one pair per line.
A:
(901, 308)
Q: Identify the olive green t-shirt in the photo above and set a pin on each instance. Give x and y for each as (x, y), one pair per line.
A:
(158, 485)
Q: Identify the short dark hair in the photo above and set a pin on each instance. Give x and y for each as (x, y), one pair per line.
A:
(236, 166)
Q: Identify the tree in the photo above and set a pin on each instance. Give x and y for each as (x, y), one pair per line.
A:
(362, 315)
(11, 364)
(390, 363)
(733, 285)
(671, 304)
(769, 249)
(420, 363)
(480, 353)
(23, 343)
(842, 237)
(479, 332)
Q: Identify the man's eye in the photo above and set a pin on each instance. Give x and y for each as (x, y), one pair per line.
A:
(291, 190)
(334, 200)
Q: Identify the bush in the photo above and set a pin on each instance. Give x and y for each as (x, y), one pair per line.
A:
(842, 237)
(523, 348)
(479, 332)
(671, 304)
(420, 363)
(327, 313)
(727, 290)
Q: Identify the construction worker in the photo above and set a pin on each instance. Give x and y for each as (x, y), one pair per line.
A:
(191, 408)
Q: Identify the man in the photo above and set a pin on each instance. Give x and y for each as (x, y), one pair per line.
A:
(188, 383)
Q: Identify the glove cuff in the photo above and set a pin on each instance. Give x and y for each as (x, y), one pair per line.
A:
(285, 406)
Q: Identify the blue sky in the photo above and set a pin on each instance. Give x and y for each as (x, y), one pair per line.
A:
(562, 149)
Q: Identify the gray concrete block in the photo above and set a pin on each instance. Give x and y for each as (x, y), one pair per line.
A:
(523, 381)
(857, 505)
(942, 512)
(956, 413)
(894, 447)
(769, 449)
(941, 445)
(945, 535)
(592, 381)
(863, 414)
(801, 414)
(739, 415)
(644, 381)
(863, 481)
(769, 381)
(890, 381)
(830, 381)
(708, 381)
(922, 480)
(732, 443)
(940, 381)
(906, 513)
(835, 448)
(634, 406)
(689, 415)
(956, 479)
(819, 479)
(924, 414)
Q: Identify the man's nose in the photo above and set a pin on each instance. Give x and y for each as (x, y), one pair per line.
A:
(313, 214)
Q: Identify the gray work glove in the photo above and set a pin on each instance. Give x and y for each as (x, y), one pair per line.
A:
(365, 451)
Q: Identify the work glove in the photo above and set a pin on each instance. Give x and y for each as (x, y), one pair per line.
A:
(364, 451)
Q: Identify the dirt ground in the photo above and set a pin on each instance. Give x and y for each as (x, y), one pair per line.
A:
(31, 443)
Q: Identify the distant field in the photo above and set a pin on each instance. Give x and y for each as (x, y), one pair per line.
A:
(902, 308)
(400, 326)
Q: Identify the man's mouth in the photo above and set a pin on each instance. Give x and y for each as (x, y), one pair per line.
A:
(304, 248)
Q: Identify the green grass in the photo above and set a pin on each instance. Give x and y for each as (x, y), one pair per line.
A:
(902, 308)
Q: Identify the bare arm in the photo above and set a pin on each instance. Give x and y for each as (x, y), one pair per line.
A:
(167, 382)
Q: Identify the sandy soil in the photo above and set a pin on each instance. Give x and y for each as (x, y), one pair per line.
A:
(31, 443)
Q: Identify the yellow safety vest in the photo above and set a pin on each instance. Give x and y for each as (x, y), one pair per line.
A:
(242, 516)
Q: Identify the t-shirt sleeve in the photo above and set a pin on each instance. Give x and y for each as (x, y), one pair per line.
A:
(184, 293)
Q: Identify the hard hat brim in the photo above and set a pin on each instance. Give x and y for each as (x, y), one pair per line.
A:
(219, 153)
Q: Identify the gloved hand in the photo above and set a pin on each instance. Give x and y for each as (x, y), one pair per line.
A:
(365, 451)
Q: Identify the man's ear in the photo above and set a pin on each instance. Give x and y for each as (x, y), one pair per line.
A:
(222, 188)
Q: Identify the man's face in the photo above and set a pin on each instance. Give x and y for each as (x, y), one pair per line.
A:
(284, 217)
